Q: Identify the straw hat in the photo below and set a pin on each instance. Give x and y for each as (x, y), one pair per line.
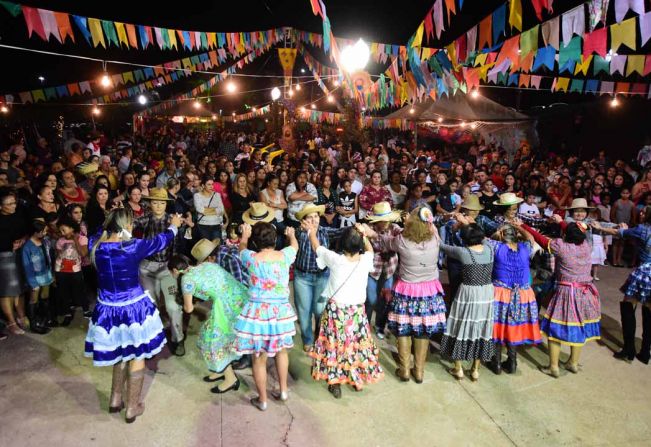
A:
(472, 203)
(203, 249)
(382, 212)
(257, 212)
(579, 203)
(309, 209)
(86, 168)
(508, 199)
(158, 194)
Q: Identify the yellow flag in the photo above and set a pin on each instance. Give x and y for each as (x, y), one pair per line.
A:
(561, 84)
(452, 54)
(635, 63)
(584, 65)
(122, 33)
(515, 14)
(418, 39)
(623, 34)
(172, 34)
(481, 59)
(95, 27)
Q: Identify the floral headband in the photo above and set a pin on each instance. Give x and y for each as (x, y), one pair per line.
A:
(425, 214)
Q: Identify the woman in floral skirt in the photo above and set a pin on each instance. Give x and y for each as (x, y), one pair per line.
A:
(344, 352)
(265, 326)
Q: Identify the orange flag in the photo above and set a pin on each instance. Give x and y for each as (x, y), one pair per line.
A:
(63, 23)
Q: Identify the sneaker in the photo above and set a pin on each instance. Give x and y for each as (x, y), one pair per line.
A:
(179, 349)
(88, 314)
(596, 278)
(67, 319)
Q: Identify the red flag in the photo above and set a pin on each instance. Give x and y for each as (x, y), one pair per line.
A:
(33, 22)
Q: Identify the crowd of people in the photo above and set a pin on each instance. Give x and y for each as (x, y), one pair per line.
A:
(134, 230)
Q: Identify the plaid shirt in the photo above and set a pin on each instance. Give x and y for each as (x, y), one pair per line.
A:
(306, 257)
(452, 237)
(228, 258)
(150, 228)
(384, 260)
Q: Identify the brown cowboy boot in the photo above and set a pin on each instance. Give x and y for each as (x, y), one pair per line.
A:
(421, 346)
(134, 386)
(116, 404)
(404, 356)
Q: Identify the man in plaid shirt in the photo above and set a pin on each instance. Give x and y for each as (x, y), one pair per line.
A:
(380, 279)
(309, 280)
(154, 274)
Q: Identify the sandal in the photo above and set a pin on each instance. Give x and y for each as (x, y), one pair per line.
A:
(474, 375)
(457, 374)
(15, 329)
(255, 401)
(574, 369)
(280, 395)
(553, 372)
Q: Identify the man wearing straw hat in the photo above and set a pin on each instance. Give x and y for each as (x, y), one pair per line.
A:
(309, 279)
(154, 274)
(385, 264)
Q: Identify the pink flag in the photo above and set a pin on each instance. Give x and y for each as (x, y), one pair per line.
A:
(535, 82)
(645, 27)
(438, 18)
(49, 24)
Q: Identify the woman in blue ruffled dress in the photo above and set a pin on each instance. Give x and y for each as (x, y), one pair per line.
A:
(126, 327)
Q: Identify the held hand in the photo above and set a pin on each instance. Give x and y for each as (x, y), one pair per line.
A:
(176, 220)
(360, 229)
(516, 222)
(556, 218)
(188, 308)
(245, 228)
(290, 233)
(623, 226)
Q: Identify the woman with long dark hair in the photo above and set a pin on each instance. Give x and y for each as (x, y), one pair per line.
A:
(97, 209)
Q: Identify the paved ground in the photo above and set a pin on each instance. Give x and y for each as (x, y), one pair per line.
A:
(51, 395)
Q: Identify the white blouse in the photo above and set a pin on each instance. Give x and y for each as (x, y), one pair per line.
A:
(210, 209)
(353, 290)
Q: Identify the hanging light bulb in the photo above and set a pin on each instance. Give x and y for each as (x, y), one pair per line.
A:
(275, 93)
(233, 113)
(440, 119)
(266, 120)
(96, 111)
(105, 81)
(290, 92)
(474, 94)
(142, 99)
(214, 117)
(614, 102)
(473, 125)
(335, 82)
(302, 108)
(313, 106)
(196, 104)
(255, 109)
(231, 87)
(331, 98)
(412, 110)
(463, 124)
(298, 87)
(4, 109)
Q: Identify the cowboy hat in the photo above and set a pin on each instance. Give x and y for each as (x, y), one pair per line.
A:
(257, 212)
(86, 168)
(508, 199)
(158, 194)
(203, 249)
(472, 203)
(381, 212)
(309, 209)
(579, 203)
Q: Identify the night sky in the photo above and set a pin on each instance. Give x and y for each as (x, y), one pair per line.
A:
(381, 21)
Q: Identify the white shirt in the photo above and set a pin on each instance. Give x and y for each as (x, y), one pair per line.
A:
(398, 197)
(350, 287)
(294, 206)
(94, 149)
(355, 187)
(529, 210)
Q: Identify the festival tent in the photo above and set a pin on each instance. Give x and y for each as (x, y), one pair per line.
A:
(494, 122)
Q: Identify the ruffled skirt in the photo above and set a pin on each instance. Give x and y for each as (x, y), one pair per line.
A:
(344, 352)
(573, 316)
(469, 332)
(417, 309)
(638, 283)
(119, 333)
(515, 317)
(265, 327)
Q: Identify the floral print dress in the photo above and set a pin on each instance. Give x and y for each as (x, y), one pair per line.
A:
(266, 323)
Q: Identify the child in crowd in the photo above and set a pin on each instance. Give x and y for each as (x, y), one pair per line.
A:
(598, 254)
(620, 213)
(347, 205)
(37, 266)
(528, 207)
(71, 248)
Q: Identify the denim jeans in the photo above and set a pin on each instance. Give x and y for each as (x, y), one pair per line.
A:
(308, 288)
(375, 302)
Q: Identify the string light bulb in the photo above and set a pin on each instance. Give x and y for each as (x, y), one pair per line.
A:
(231, 87)
(290, 93)
(463, 124)
(331, 98)
(614, 102)
(233, 113)
(255, 109)
(412, 110)
(302, 109)
(275, 93)
(142, 99)
(313, 106)
(196, 104)
(474, 94)
(214, 117)
(335, 83)
(298, 87)
(4, 109)
(96, 111)
(440, 119)
(105, 80)
(473, 125)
